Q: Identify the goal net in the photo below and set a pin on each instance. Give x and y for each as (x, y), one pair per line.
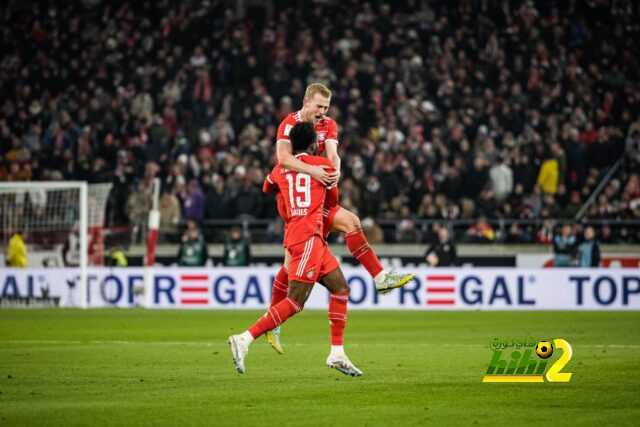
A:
(51, 216)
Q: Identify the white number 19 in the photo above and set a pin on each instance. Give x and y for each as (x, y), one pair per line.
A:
(303, 186)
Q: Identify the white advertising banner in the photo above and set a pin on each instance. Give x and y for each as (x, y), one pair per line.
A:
(250, 288)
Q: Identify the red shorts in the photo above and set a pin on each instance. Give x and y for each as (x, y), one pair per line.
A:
(310, 260)
(327, 219)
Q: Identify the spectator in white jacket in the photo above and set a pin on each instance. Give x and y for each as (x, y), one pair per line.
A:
(501, 178)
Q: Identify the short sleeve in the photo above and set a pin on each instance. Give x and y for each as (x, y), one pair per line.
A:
(332, 131)
(283, 131)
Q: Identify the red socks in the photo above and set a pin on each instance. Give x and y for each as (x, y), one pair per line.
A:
(280, 287)
(275, 316)
(360, 249)
(338, 316)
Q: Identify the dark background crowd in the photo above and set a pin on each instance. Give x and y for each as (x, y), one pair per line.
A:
(468, 111)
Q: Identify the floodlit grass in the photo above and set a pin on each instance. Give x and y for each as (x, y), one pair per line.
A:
(149, 367)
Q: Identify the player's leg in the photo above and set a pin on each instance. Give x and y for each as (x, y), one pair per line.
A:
(338, 287)
(302, 258)
(349, 224)
(281, 281)
(280, 286)
(298, 294)
(279, 291)
(276, 316)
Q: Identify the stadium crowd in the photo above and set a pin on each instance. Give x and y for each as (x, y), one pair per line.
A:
(447, 110)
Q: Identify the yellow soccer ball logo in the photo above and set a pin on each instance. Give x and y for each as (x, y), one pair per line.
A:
(544, 349)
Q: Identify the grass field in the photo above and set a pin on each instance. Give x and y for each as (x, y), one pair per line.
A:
(137, 367)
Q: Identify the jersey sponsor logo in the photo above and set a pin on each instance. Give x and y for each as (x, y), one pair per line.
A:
(298, 212)
(287, 129)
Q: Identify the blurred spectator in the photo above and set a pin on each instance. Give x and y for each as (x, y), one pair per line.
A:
(192, 202)
(372, 231)
(545, 233)
(573, 206)
(275, 231)
(170, 216)
(117, 258)
(515, 235)
(138, 208)
(481, 232)
(606, 236)
(624, 236)
(237, 252)
(564, 246)
(247, 200)
(217, 200)
(17, 252)
(501, 177)
(476, 178)
(548, 176)
(589, 250)
(408, 232)
(443, 252)
(193, 250)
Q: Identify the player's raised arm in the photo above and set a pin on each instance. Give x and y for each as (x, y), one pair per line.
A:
(331, 147)
(287, 160)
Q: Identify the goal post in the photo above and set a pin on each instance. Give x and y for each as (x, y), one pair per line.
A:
(58, 219)
(153, 225)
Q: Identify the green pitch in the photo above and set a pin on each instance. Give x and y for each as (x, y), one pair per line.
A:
(137, 367)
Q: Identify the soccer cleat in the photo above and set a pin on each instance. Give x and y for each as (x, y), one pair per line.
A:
(273, 337)
(344, 365)
(393, 280)
(239, 350)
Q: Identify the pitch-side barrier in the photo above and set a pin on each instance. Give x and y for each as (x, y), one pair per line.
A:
(250, 288)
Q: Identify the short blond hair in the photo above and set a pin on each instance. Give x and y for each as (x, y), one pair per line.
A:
(314, 88)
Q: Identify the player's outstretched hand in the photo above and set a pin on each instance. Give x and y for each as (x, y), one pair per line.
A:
(321, 174)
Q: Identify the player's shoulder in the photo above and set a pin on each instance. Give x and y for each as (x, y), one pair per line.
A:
(327, 121)
(287, 124)
(292, 118)
(330, 120)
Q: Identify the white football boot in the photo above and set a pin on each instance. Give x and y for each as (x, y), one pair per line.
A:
(239, 349)
(343, 364)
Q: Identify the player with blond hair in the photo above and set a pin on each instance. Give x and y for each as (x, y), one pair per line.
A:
(311, 260)
(315, 106)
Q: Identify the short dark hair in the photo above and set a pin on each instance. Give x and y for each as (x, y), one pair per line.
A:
(302, 135)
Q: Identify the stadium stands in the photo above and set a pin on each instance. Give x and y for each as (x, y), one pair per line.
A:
(455, 111)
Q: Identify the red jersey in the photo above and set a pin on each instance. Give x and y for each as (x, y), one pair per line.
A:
(326, 129)
(304, 200)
